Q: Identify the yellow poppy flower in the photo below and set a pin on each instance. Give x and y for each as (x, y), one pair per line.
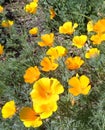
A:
(52, 13)
(29, 117)
(1, 49)
(79, 41)
(47, 40)
(91, 53)
(45, 110)
(46, 90)
(79, 85)
(35, 0)
(68, 28)
(90, 26)
(31, 74)
(98, 38)
(99, 26)
(73, 63)
(1, 9)
(7, 23)
(8, 110)
(48, 64)
(56, 52)
(33, 31)
(31, 7)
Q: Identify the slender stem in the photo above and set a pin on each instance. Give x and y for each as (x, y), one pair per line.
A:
(81, 15)
(48, 2)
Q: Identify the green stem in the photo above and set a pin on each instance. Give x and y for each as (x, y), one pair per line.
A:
(48, 2)
(81, 15)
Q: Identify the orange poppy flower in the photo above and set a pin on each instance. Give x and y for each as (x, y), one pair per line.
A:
(48, 64)
(46, 90)
(45, 110)
(73, 63)
(79, 41)
(79, 85)
(29, 117)
(1, 49)
(99, 26)
(47, 40)
(31, 74)
(56, 52)
(1, 9)
(31, 7)
(7, 23)
(33, 31)
(52, 13)
(68, 28)
(98, 38)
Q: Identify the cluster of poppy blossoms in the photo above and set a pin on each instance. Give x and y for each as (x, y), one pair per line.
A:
(44, 96)
(6, 23)
(45, 92)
